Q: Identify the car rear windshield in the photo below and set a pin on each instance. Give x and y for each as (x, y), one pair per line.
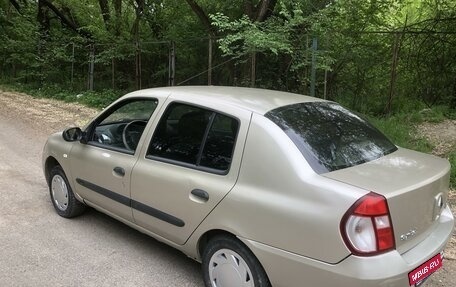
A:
(329, 136)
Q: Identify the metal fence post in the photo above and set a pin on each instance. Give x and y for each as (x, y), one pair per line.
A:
(209, 64)
(313, 74)
(91, 66)
(172, 64)
(72, 67)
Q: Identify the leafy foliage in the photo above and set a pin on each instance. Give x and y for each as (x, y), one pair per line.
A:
(245, 37)
(376, 56)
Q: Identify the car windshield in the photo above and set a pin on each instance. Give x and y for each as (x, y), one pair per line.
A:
(329, 136)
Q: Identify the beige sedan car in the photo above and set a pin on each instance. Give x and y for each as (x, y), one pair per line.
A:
(265, 188)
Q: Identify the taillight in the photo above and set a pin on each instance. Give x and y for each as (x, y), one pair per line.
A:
(367, 228)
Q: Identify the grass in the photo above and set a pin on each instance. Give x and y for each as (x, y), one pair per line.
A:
(437, 114)
(401, 130)
(94, 99)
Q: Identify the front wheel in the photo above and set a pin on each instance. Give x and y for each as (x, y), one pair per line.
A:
(229, 263)
(62, 196)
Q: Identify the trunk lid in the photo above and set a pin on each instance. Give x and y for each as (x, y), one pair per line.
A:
(415, 186)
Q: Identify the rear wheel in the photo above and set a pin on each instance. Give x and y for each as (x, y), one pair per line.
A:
(229, 263)
(62, 196)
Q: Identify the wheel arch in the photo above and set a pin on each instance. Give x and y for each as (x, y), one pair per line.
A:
(254, 259)
(50, 163)
(208, 235)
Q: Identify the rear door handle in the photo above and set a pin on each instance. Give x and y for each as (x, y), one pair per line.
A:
(119, 171)
(201, 194)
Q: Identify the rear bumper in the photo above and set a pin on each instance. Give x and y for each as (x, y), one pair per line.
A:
(391, 269)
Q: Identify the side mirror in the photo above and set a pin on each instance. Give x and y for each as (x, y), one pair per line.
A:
(72, 134)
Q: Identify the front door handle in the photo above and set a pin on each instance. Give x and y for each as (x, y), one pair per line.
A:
(201, 194)
(119, 171)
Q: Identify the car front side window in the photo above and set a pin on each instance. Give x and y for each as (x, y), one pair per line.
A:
(121, 127)
(195, 137)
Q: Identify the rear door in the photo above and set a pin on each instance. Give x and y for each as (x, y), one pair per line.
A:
(190, 164)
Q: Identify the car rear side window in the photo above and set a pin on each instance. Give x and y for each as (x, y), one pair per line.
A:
(218, 148)
(194, 137)
(329, 136)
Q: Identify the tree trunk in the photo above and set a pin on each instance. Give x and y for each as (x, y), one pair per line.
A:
(139, 9)
(14, 69)
(104, 7)
(43, 19)
(453, 99)
(117, 22)
(67, 22)
(259, 13)
(249, 9)
(44, 32)
(113, 74)
(16, 5)
(118, 13)
(393, 77)
(264, 9)
(394, 63)
(202, 16)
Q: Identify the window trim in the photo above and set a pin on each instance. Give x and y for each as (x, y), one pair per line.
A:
(203, 142)
(111, 148)
(205, 136)
(189, 165)
(90, 129)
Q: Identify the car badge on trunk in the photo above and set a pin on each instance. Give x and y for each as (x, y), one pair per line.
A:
(409, 234)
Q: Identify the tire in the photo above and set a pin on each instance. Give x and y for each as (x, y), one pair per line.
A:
(62, 196)
(227, 262)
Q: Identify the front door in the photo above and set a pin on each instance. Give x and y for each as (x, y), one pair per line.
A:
(102, 167)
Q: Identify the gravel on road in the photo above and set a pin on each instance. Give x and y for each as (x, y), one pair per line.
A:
(39, 248)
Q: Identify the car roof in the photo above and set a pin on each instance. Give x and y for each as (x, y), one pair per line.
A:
(256, 100)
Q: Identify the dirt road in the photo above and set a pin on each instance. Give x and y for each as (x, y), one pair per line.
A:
(39, 248)
(443, 137)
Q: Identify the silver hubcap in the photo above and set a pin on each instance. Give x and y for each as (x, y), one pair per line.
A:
(59, 192)
(228, 269)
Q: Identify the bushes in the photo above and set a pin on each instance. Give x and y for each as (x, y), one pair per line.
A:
(94, 99)
(98, 99)
(401, 130)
